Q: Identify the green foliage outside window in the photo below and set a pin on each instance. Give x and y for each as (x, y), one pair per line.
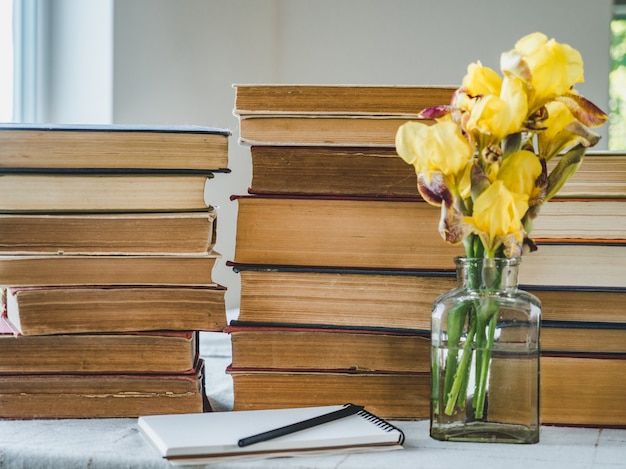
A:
(617, 86)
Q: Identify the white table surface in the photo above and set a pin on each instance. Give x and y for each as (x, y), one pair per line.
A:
(116, 443)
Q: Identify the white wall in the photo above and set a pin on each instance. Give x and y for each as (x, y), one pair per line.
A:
(79, 69)
(175, 61)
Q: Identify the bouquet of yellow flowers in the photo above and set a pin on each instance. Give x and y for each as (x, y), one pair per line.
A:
(484, 161)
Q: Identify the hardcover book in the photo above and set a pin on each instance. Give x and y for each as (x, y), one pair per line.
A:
(107, 270)
(113, 148)
(79, 395)
(112, 233)
(45, 310)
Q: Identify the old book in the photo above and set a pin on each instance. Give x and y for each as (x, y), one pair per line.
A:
(586, 337)
(372, 171)
(341, 233)
(48, 192)
(273, 345)
(581, 304)
(305, 295)
(388, 395)
(95, 308)
(590, 218)
(575, 264)
(139, 352)
(291, 130)
(576, 389)
(363, 299)
(380, 173)
(583, 390)
(125, 148)
(107, 270)
(203, 438)
(53, 396)
(112, 233)
(349, 171)
(338, 99)
(396, 234)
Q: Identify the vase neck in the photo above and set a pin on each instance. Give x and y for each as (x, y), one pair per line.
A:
(484, 274)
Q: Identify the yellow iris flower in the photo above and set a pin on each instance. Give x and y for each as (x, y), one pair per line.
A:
(550, 68)
(499, 116)
(497, 214)
(519, 173)
(480, 80)
(440, 147)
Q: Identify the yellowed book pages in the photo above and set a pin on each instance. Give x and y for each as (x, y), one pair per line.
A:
(147, 352)
(107, 270)
(338, 99)
(340, 299)
(108, 233)
(321, 130)
(72, 192)
(119, 147)
(326, 348)
(388, 395)
(50, 396)
(96, 308)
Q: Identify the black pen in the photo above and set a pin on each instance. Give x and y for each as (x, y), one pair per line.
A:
(349, 409)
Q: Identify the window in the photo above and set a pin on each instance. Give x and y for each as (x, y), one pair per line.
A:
(617, 81)
(21, 57)
(6, 60)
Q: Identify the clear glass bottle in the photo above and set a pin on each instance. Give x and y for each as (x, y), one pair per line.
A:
(485, 356)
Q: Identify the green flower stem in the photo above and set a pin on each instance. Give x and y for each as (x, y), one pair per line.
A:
(465, 378)
(483, 365)
(455, 323)
(479, 341)
(461, 374)
(481, 315)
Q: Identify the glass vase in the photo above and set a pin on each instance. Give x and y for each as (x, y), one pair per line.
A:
(485, 356)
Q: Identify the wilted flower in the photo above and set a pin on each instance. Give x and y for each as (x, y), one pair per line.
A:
(562, 130)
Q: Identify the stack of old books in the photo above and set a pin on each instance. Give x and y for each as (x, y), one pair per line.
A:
(329, 239)
(106, 258)
(578, 273)
(340, 262)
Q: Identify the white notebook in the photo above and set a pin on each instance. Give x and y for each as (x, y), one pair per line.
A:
(204, 437)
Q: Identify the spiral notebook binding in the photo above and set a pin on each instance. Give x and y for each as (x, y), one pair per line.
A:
(381, 423)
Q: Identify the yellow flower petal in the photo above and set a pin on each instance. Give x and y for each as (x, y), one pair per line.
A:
(499, 116)
(439, 147)
(481, 80)
(550, 68)
(498, 213)
(519, 172)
